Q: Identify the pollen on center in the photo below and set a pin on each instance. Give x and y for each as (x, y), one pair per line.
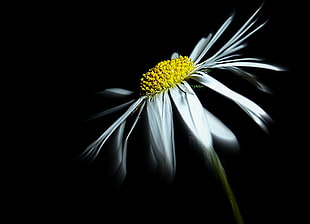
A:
(166, 74)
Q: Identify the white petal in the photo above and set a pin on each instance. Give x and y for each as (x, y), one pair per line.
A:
(115, 153)
(249, 77)
(121, 148)
(248, 64)
(94, 148)
(175, 55)
(238, 59)
(193, 115)
(115, 92)
(256, 112)
(215, 37)
(200, 46)
(221, 132)
(161, 134)
(111, 110)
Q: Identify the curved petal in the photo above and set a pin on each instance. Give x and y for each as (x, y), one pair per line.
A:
(121, 149)
(249, 77)
(252, 109)
(192, 113)
(115, 154)
(92, 151)
(247, 64)
(108, 111)
(161, 134)
(221, 132)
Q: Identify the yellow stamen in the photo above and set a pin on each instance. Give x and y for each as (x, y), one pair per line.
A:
(165, 75)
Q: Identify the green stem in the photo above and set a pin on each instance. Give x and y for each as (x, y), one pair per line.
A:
(222, 177)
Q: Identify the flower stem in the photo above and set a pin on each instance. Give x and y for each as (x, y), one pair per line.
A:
(223, 179)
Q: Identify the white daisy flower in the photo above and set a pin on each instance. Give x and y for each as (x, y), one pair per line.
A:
(165, 86)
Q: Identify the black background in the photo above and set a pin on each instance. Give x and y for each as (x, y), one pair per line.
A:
(71, 51)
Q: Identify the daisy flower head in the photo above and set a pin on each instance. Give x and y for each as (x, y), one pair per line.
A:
(165, 88)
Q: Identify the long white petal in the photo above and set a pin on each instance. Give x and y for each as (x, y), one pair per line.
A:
(192, 113)
(221, 132)
(249, 77)
(161, 134)
(121, 148)
(108, 111)
(237, 59)
(215, 37)
(115, 152)
(256, 112)
(94, 148)
(248, 64)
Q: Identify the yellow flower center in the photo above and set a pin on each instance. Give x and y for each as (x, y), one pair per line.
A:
(165, 75)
